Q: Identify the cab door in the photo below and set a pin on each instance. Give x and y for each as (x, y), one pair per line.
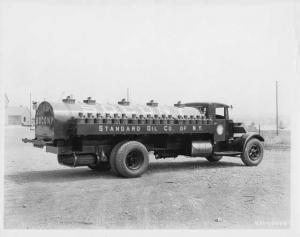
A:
(221, 116)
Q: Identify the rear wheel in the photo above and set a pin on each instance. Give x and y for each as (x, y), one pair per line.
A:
(131, 159)
(253, 152)
(112, 157)
(213, 158)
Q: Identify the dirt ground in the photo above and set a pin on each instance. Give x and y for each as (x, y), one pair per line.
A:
(173, 193)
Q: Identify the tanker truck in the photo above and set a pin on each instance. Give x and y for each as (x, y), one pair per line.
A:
(119, 137)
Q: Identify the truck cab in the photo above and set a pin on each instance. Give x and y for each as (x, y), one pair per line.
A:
(230, 138)
(219, 114)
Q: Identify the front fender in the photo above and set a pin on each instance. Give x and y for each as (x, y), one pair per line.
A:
(242, 141)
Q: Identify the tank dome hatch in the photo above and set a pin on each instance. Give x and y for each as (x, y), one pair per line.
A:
(89, 101)
(152, 103)
(179, 104)
(69, 100)
(123, 102)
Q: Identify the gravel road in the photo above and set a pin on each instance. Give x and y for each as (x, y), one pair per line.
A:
(173, 193)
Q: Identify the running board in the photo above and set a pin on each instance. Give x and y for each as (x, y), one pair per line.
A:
(228, 153)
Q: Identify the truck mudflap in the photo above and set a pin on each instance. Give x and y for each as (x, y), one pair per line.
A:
(36, 142)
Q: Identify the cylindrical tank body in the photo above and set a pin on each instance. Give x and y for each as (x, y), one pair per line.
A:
(53, 119)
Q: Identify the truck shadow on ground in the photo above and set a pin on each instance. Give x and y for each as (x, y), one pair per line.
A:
(79, 174)
(164, 166)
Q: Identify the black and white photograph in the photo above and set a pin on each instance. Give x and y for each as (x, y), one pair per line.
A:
(149, 115)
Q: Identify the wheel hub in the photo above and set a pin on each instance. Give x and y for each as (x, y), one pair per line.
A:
(134, 160)
(254, 152)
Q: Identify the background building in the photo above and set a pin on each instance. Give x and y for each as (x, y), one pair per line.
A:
(16, 115)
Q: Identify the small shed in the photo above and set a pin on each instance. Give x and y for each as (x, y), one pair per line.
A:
(17, 115)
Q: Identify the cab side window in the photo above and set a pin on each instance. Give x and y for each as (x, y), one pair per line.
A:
(220, 113)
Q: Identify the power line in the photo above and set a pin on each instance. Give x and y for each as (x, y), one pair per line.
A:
(277, 108)
(30, 110)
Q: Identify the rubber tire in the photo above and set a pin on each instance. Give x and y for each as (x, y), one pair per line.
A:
(120, 159)
(214, 158)
(103, 166)
(245, 156)
(112, 157)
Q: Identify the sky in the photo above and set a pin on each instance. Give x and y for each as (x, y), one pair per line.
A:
(191, 51)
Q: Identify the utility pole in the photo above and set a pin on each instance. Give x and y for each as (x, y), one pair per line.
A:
(30, 110)
(277, 108)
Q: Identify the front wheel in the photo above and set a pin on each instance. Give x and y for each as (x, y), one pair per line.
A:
(253, 152)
